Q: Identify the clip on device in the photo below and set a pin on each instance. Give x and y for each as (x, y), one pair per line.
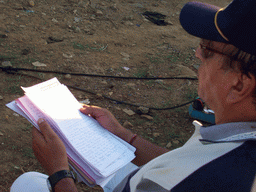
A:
(197, 110)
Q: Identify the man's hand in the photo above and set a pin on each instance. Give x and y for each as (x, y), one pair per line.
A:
(145, 151)
(107, 120)
(49, 149)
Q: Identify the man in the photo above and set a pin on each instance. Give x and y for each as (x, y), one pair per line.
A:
(216, 158)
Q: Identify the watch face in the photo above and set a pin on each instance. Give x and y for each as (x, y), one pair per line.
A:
(49, 185)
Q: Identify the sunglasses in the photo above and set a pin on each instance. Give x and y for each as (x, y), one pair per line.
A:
(208, 51)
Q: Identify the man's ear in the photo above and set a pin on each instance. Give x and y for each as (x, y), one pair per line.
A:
(242, 87)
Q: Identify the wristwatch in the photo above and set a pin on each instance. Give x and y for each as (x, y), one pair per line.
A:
(56, 177)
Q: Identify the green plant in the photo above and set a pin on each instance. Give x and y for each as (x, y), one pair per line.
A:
(173, 135)
(172, 58)
(157, 119)
(8, 57)
(141, 73)
(13, 85)
(170, 88)
(149, 138)
(168, 103)
(28, 152)
(41, 75)
(150, 82)
(139, 122)
(190, 94)
(155, 59)
(14, 147)
(27, 128)
(28, 60)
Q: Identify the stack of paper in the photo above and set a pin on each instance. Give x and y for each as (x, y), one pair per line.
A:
(94, 153)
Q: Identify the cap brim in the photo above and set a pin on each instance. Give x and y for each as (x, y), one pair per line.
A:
(198, 20)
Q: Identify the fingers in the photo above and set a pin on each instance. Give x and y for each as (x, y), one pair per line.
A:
(37, 136)
(46, 130)
(92, 110)
(85, 109)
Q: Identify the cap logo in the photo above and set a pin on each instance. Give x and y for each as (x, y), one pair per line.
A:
(216, 24)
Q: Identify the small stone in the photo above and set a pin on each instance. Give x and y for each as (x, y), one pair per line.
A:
(1, 97)
(156, 134)
(86, 101)
(110, 93)
(127, 124)
(129, 23)
(6, 64)
(54, 20)
(54, 39)
(147, 117)
(176, 142)
(80, 96)
(1, 134)
(129, 112)
(113, 7)
(168, 145)
(169, 22)
(68, 55)
(118, 108)
(38, 64)
(16, 114)
(138, 5)
(22, 26)
(77, 30)
(125, 54)
(126, 68)
(99, 13)
(104, 82)
(67, 76)
(31, 3)
(144, 110)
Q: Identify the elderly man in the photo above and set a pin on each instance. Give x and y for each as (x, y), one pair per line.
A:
(216, 158)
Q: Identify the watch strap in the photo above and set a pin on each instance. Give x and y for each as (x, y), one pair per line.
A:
(56, 177)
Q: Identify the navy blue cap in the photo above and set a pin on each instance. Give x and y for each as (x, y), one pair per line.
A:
(234, 24)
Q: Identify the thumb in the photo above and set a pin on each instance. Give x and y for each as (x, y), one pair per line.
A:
(45, 129)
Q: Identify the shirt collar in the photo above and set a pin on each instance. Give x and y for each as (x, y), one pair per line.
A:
(229, 132)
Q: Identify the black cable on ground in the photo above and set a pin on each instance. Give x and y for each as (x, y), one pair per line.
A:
(117, 101)
(13, 69)
(123, 102)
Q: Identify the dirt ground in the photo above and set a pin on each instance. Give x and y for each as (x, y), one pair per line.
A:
(108, 38)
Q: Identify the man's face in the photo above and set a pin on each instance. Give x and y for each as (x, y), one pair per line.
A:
(214, 82)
